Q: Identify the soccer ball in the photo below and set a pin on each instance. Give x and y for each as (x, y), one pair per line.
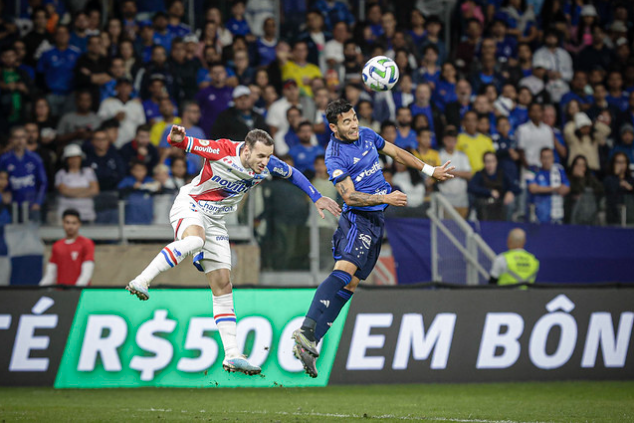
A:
(380, 73)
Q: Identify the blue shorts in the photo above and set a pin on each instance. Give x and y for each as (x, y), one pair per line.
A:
(358, 239)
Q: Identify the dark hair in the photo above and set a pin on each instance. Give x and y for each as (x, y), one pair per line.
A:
(108, 124)
(319, 157)
(423, 129)
(336, 108)
(145, 127)
(430, 47)
(304, 123)
(256, 135)
(613, 163)
(486, 153)
(545, 149)
(533, 104)
(387, 124)
(137, 162)
(574, 163)
(70, 212)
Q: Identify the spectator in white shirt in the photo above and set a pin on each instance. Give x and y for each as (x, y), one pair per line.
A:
(559, 59)
(533, 136)
(128, 111)
(455, 189)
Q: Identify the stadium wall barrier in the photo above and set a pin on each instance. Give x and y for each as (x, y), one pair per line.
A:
(486, 335)
(567, 254)
(100, 338)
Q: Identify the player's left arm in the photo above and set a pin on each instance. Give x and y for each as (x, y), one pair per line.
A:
(440, 173)
(283, 170)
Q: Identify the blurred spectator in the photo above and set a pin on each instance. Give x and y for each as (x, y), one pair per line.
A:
(533, 136)
(104, 159)
(215, 98)
(16, 88)
(78, 126)
(455, 189)
(422, 105)
(433, 26)
(584, 138)
(91, 70)
(493, 190)
(6, 198)
(578, 92)
(486, 75)
(619, 191)
(506, 149)
(601, 104)
(178, 174)
(38, 39)
(116, 70)
(516, 265)
(191, 116)
(426, 153)
(175, 25)
(582, 204)
(405, 135)
(184, 71)
(157, 91)
(244, 72)
(333, 49)
(128, 111)
(626, 144)
(237, 24)
(305, 152)
(137, 190)
(164, 197)
(326, 226)
(276, 117)
(536, 81)
(48, 156)
(472, 143)
(73, 258)
(333, 12)
(56, 67)
(76, 185)
(299, 69)
(445, 91)
(157, 68)
(410, 182)
(466, 50)
(455, 110)
(131, 62)
(559, 59)
(140, 149)
(364, 111)
(27, 176)
(548, 187)
(235, 122)
(165, 120)
(596, 54)
(128, 11)
(315, 38)
(267, 43)
(79, 34)
(616, 96)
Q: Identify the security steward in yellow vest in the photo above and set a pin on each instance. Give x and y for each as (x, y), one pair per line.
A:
(516, 265)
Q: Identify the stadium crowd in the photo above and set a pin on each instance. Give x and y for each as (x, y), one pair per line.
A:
(533, 102)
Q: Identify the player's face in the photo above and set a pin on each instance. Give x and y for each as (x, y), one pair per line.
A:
(258, 157)
(71, 226)
(347, 127)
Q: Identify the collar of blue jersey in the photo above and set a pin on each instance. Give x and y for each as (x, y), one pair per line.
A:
(333, 138)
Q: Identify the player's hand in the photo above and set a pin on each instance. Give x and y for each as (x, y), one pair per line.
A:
(396, 198)
(326, 203)
(177, 134)
(442, 173)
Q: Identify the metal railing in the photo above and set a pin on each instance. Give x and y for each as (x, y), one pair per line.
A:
(457, 252)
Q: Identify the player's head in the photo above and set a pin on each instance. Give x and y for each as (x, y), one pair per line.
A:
(258, 149)
(71, 222)
(342, 120)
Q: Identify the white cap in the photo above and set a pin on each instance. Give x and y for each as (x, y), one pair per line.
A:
(191, 38)
(72, 150)
(241, 90)
(541, 63)
(588, 10)
(581, 120)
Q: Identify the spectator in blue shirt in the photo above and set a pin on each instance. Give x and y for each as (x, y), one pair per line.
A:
(433, 26)
(79, 35)
(445, 91)
(162, 36)
(626, 146)
(27, 176)
(175, 26)
(144, 43)
(333, 12)
(506, 47)
(237, 24)
(265, 45)
(304, 153)
(506, 149)
(486, 75)
(577, 92)
(549, 187)
(104, 159)
(405, 135)
(137, 190)
(616, 96)
(56, 67)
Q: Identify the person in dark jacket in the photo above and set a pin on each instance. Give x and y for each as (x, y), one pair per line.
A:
(140, 148)
(493, 191)
(235, 122)
(105, 160)
(582, 204)
(619, 190)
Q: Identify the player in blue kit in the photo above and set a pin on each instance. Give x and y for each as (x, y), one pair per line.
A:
(352, 159)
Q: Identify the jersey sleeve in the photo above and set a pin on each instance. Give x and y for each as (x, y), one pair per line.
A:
(279, 168)
(89, 250)
(209, 149)
(337, 169)
(297, 178)
(369, 134)
(499, 266)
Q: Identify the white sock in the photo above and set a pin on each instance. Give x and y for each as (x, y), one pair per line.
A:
(225, 319)
(170, 256)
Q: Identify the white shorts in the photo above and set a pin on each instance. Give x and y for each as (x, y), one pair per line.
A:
(216, 250)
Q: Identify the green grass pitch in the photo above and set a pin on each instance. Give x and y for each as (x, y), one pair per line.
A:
(483, 403)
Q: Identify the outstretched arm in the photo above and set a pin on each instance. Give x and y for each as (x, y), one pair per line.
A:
(404, 157)
(209, 149)
(355, 198)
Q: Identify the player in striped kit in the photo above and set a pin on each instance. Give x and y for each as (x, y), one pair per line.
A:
(230, 169)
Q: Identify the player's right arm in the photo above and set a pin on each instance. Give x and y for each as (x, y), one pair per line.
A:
(50, 275)
(209, 149)
(354, 198)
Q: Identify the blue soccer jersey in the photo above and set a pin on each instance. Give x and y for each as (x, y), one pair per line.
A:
(360, 161)
(550, 207)
(27, 177)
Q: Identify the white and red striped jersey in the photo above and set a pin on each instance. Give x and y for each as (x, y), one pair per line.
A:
(223, 181)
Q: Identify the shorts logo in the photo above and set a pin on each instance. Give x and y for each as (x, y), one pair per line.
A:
(337, 173)
(366, 240)
(204, 143)
(222, 238)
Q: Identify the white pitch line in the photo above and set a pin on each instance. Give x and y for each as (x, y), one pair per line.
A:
(349, 416)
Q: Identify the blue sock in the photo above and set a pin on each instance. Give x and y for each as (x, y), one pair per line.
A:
(330, 314)
(325, 295)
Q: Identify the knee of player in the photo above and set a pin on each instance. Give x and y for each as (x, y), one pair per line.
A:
(195, 241)
(353, 284)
